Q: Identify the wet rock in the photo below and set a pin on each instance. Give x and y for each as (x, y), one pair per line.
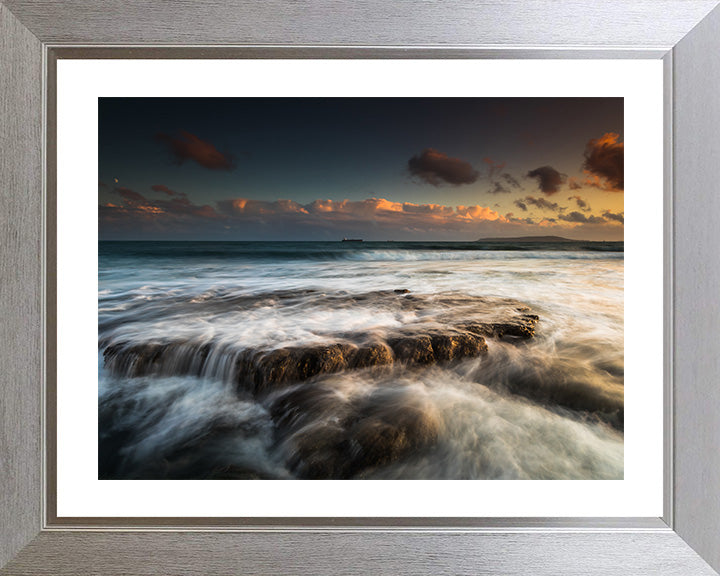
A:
(387, 434)
(259, 370)
(133, 360)
(324, 360)
(434, 337)
(522, 327)
(438, 347)
(275, 367)
(286, 365)
(319, 452)
(310, 422)
(413, 349)
(326, 435)
(617, 419)
(524, 330)
(568, 385)
(447, 347)
(293, 408)
(378, 354)
(156, 358)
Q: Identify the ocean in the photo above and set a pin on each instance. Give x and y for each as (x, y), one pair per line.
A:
(360, 360)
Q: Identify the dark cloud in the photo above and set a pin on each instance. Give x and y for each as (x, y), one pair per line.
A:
(511, 180)
(582, 204)
(102, 184)
(574, 184)
(605, 162)
(510, 217)
(130, 197)
(498, 188)
(166, 190)
(136, 206)
(437, 168)
(500, 182)
(617, 217)
(186, 146)
(549, 180)
(178, 200)
(520, 204)
(542, 203)
(581, 218)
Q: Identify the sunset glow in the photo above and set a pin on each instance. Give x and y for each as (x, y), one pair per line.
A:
(320, 169)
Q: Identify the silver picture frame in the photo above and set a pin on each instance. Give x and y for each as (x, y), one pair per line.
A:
(685, 34)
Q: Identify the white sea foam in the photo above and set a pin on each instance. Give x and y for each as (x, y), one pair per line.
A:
(500, 416)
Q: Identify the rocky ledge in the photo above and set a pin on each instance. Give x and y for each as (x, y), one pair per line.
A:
(257, 370)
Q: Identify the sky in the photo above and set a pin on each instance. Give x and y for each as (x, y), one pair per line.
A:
(372, 168)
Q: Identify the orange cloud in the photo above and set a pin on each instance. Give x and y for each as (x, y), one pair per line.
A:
(383, 204)
(151, 209)
(479, 213)
(370, 209)
(245, 206)
(322, 206)
(324, 219)
(605, 163)
(547, 223)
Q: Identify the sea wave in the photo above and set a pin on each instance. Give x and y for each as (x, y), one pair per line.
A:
(200, 360)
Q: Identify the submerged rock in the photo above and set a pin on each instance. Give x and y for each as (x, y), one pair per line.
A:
(319, 452)
(386, 435)
(326, 435)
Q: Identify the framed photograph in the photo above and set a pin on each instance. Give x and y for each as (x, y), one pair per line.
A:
(394, 273)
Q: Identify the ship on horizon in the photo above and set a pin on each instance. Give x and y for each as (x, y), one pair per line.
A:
(352, 239)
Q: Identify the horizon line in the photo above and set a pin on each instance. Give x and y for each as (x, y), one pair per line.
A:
(339, 240)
